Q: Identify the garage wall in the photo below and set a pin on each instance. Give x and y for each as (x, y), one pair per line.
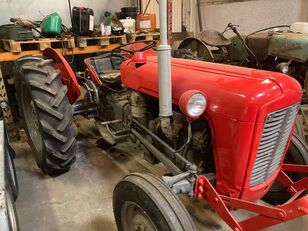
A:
(176, 13)
(30, 9)
(253, 15)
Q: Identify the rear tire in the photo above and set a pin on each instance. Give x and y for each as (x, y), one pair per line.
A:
(144, 202)
(296, 154)
(46, 113)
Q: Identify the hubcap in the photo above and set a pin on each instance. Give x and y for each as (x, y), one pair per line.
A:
(134, 218)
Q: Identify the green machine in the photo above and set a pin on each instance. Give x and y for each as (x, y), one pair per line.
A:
(15, 32)
(272, 48)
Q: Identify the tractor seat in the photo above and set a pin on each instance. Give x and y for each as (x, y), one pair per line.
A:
(107, 68)
(214, 38)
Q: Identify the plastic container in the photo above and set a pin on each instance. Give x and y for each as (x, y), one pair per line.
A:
(129, 25)
(51, 25)
(146, 22)
(300, 27)
(128, 12)
(129, 9)
(83, 21)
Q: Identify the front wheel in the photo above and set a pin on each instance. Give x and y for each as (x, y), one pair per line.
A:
(144, 202)
(296, 154)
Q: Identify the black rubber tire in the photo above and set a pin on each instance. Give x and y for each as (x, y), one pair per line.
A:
(299, 129)
(297, 154)
(157, 201)
(11, 212)
(36, 76)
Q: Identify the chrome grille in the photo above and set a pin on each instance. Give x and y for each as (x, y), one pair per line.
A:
(276, 132)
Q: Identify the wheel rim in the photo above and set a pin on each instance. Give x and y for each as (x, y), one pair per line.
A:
(134, 218)
(31, 120)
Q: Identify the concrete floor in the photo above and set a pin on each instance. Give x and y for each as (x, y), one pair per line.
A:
(82, 198)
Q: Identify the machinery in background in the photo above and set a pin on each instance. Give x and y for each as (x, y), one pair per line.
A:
(269, 49)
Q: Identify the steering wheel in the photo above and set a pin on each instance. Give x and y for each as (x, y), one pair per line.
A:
(128, 49)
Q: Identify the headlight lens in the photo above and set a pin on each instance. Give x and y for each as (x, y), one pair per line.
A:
(283, 67)
(193, 104)
(196, 105)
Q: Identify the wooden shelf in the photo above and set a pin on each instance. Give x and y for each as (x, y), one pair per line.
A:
(11, 56)
(12, 50)
(38, 44)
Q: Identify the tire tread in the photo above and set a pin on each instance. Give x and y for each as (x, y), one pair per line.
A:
(54, 111)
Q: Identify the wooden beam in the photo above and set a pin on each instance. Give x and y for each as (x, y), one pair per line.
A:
(10, 56)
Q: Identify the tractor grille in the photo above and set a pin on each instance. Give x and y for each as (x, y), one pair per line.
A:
(276, 132)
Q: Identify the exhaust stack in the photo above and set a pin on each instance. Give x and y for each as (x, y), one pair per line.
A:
(164, 64)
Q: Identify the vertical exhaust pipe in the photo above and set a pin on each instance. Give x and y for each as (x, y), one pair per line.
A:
(164, 63)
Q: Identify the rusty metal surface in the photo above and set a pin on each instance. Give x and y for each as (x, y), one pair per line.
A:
(214, 38)
(293, 46)
(259, 44)
(237, 50)
(198, 48)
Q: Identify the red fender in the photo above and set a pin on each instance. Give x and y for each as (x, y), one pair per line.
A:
(67, 75)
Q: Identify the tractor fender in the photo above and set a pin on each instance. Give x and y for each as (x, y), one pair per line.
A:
(67, 74)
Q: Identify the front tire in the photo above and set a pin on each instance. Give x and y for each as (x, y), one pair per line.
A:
(46, 113)
(296, 154)
(144, 202)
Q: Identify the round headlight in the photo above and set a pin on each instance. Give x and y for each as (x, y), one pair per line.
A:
(283, 67)
(193, 104)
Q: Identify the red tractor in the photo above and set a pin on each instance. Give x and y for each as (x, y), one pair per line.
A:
(221, 131)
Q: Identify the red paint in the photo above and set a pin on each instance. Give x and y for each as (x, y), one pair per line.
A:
(139, 58)
(67, 75)
(238, 101)
(92, 73)
(295, 168)
(266, 216)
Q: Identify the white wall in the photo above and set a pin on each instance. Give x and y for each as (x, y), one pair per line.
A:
(30, 8)
(176, 13)
(254, 15)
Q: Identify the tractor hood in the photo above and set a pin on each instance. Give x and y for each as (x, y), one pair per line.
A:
(233, 92)
(288, 45)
